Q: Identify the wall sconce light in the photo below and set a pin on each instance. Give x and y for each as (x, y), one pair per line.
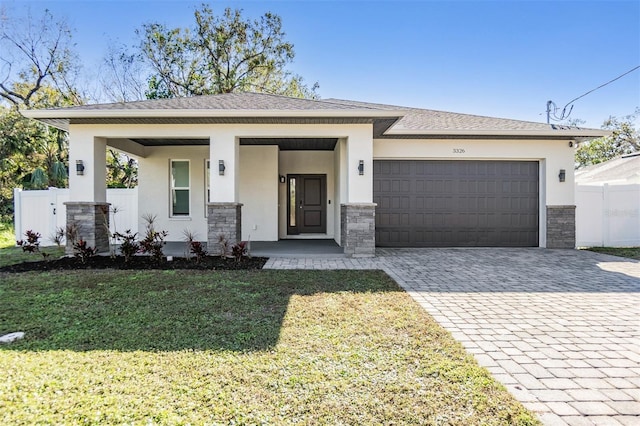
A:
(570, 144)
(221, 167)
(361, 167)
(562, 175)
(79, 167)
(282, 179)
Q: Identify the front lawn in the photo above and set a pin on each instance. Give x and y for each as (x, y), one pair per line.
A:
(630, 252)
(259, 347)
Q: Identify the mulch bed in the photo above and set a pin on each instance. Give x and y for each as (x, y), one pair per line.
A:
(137, 263)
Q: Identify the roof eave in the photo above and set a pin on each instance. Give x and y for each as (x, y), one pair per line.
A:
(197, 113)
(583, 134)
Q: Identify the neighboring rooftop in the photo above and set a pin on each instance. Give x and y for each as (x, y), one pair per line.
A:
(621, 170)
(389, 121)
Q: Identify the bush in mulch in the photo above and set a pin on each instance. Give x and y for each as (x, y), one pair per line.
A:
(138, 263)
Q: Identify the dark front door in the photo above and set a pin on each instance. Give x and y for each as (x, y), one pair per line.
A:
(307, 204)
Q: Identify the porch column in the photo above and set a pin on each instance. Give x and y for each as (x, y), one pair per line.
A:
(224, 212)
(87, 208)
(357, 215)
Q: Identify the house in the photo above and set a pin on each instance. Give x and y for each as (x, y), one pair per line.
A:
(624, 170)
(269, 167)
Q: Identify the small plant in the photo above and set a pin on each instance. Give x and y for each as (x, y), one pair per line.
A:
(71, 232)
(83, 251)
(111, 212)
(58, 236)
(240, 250)
(129, 246)
(194, 247)
(153, 240)
(223, 243)
(32, 244)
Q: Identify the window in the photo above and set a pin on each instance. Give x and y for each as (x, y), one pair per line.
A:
(180, 188)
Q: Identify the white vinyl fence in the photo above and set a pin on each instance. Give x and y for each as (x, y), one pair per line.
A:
(608, 215)
(44, 211)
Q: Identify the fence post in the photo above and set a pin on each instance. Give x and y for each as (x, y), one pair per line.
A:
(17, 212)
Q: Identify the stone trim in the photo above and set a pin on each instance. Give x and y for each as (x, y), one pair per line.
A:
(561, 227)
(358, 229)
(91, 222)
(225, 219)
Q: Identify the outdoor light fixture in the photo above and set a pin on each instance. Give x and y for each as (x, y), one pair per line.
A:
(361, 167)
(282, 179)
(570, 144)
(221, 167)
(562, 175)
(79, 167)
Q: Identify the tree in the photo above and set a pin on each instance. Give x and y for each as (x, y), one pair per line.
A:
(122, 170)
(220, 54)
(122, 77)
(33, 53)
(36, 71)
(624, 139)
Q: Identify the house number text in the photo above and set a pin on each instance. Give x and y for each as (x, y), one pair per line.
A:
(458, 150)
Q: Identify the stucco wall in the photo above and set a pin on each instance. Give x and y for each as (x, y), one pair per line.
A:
(153, 190)
(553, 155)
(308, 162)
(259, 192)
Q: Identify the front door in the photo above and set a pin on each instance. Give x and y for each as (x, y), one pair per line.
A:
(307, 204)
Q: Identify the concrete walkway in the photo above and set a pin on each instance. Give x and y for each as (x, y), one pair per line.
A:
(559, 328)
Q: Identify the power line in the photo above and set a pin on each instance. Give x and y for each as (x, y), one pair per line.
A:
(564, 115)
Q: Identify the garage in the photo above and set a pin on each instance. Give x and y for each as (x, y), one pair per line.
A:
(448, 203)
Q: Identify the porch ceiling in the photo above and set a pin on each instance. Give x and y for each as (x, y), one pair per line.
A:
(294, 144)
(171, 142)
(285, 144)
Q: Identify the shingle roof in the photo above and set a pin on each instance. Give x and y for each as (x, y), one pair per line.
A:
(621, 169)
(228, 101)
(389, 120)
(427, 119)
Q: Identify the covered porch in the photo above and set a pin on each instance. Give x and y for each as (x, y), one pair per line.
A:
(243, 182)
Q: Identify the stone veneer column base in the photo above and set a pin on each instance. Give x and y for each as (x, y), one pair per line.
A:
(224, 219)
(358, 229)
(91, 223)
(561, 227)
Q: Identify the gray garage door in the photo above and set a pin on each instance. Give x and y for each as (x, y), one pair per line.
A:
(456, 203)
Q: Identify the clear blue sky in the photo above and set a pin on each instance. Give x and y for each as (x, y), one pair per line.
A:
(496, 58)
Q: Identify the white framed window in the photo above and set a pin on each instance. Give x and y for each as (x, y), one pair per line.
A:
(207, 182)
(180, 191)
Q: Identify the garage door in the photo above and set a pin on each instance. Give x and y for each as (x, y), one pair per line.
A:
(456, 203)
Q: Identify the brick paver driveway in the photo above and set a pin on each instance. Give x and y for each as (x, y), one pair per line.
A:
(559, 328)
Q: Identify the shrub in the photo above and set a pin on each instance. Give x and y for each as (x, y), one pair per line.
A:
(32, 244)
(83, 251)
(223, 243)
(240, 250)
(153, 240)
(129, 246)
(194, 247)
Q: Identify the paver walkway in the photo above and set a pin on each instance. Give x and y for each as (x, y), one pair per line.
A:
(559, 328)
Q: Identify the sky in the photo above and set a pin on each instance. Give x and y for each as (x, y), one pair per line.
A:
(494, 58)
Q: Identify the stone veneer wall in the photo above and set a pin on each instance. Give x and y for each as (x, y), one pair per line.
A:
(225, 219)
(358, 229)
(561, 227)
(91, 221)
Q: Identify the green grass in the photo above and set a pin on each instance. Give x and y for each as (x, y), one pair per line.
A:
(10, 254)
(7, 235)
(261, 347)
(630, 252)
